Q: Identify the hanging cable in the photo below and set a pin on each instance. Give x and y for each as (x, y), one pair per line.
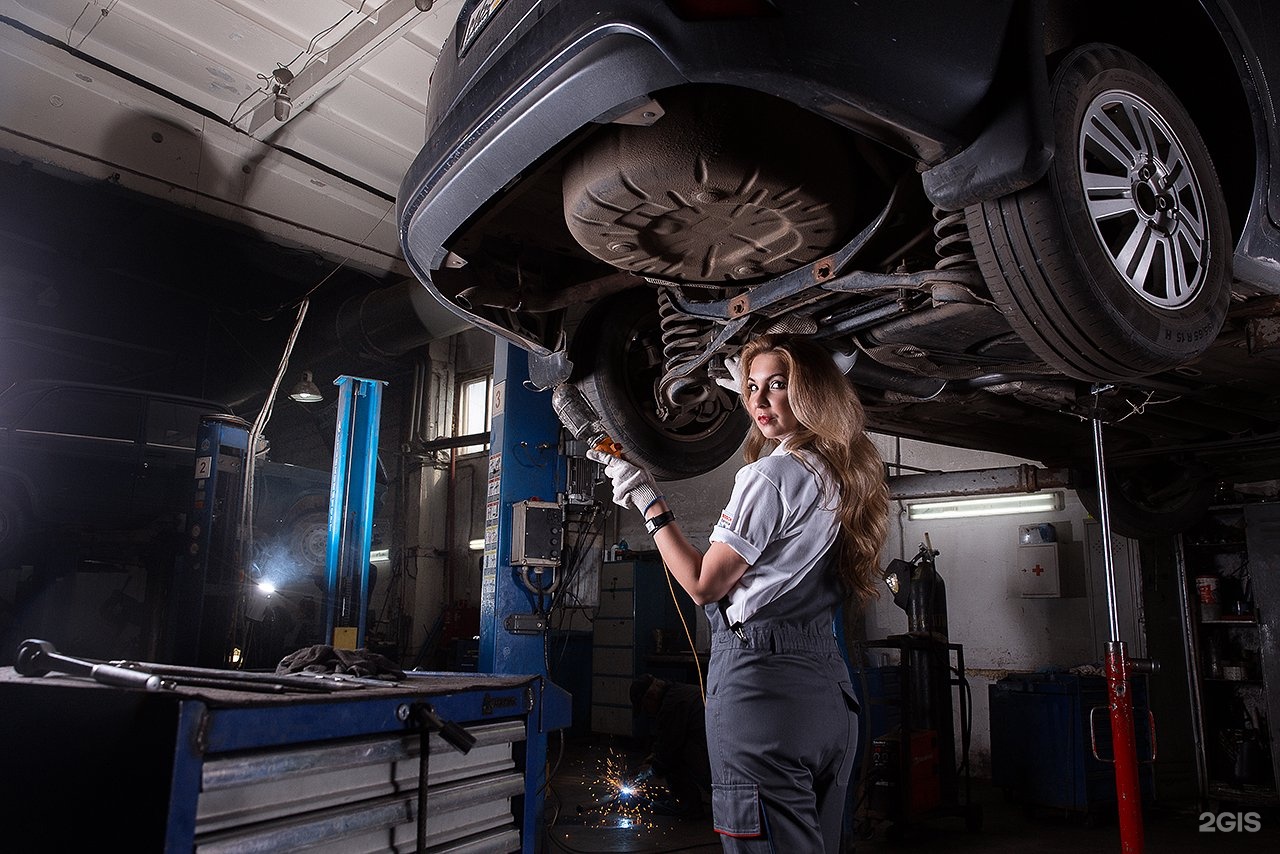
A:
(693, 647)
(244, 525)
(102, 14)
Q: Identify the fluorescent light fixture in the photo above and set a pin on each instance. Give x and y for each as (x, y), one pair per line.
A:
(985, 505)
(476, 545)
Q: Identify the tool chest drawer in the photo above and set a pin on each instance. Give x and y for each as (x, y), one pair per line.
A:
(226, 771)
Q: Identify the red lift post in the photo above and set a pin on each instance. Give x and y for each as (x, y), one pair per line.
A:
(1118, 667)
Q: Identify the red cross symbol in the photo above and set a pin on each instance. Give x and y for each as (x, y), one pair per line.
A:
(1038, 569)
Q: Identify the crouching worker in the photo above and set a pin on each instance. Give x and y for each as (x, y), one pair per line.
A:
(678, 746)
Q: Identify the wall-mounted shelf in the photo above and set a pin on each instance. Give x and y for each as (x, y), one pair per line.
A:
(1233, 559)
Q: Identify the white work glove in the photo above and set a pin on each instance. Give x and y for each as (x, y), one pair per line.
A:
(732, 364)
(633, 486)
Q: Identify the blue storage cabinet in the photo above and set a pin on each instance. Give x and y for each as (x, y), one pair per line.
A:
(1040, 742)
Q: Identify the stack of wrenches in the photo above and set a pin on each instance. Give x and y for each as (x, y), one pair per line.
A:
(38, 657)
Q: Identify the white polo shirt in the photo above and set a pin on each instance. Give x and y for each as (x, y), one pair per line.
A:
(776, 521)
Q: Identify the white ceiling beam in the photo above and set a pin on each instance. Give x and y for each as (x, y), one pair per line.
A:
(330, 66)
(68, 116)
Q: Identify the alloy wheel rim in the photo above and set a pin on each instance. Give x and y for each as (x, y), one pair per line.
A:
(1144, 199)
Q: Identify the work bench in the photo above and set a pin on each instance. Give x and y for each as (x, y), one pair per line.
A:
(220, 770)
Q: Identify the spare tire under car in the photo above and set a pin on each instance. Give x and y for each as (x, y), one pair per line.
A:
(715, 190)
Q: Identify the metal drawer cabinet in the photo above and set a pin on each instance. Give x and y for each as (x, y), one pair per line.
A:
(218, 771)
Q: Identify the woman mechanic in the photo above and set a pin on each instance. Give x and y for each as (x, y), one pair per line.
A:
(801, 534)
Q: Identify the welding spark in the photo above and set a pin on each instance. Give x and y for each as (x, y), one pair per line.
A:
(620, 799)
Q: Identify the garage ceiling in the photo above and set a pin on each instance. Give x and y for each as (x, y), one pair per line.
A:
(176, 99)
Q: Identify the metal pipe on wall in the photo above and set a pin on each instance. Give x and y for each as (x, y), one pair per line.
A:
(993, 481)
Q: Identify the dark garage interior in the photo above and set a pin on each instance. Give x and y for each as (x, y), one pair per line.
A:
(411, 613)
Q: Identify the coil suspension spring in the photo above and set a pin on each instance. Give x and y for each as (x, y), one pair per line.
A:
(953, 246)
(681, 343)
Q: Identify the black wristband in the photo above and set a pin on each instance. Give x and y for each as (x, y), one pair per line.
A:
(659, 522)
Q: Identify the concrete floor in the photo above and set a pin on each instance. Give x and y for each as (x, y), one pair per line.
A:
(579, 824)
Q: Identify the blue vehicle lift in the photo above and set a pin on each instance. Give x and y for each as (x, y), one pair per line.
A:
(204, 590)
(355, 464)
(523, 467)
(522, 541)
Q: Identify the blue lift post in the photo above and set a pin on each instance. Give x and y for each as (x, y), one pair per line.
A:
(355, 463)
(204, 593)
(524, 463)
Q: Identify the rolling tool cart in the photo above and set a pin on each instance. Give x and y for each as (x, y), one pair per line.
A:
(195, 759)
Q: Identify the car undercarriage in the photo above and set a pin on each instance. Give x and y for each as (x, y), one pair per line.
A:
(645, 247)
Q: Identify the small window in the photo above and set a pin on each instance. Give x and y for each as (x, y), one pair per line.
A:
(473, 411)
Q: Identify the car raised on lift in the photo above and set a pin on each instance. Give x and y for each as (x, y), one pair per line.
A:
(1017, 217)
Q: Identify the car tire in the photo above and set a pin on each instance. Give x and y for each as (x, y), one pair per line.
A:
(1055, 254)
(308, 537)
(617, 356)
(1156, 500)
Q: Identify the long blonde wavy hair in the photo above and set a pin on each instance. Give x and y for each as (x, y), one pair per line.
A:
(832, 426)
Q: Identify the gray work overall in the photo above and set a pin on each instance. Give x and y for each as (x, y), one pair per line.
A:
(782, 723)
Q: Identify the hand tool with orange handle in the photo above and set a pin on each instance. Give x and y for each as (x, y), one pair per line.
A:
(578, 416)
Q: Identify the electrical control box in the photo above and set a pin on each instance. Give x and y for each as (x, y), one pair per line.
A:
(537, 533)
(1037, 568)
